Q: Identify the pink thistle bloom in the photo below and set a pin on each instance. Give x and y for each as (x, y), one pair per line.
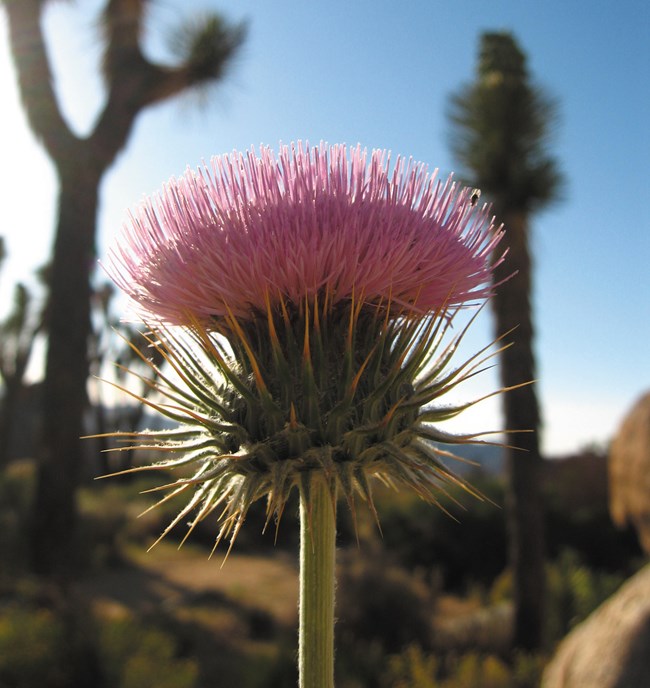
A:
(253, 230)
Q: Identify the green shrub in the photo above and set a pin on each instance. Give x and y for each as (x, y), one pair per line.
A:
(31, 649)
(380, 602)
(38, 648)
(134, 656)
(412, 669)
(475, 670)
(527, 670)
(471, 549)
(574, 591)
(381, 608)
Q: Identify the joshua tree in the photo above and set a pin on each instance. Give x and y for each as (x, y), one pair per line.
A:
(17, 333)
(133, 83)
(500, 128)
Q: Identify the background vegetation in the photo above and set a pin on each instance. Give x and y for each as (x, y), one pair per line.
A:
(429, 603)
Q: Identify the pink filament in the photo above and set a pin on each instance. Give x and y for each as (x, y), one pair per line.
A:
(251, 228)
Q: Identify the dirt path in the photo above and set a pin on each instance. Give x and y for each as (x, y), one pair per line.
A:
(171, 578)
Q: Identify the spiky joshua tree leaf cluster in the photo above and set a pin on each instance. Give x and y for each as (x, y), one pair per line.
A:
(327, 360)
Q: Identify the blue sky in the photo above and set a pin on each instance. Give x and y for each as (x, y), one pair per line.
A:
(380, 73)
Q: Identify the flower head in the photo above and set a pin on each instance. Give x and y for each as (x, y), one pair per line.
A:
(310, 222)
(335, 283)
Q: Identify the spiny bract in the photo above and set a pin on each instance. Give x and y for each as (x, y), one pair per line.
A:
(302, 306)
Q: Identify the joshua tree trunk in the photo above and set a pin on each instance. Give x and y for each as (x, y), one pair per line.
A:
(12, 389)
(64, 387)
(521, 411)
(133, 83)
(500, 130)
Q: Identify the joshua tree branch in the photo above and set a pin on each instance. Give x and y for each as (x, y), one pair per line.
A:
(134, 82)
(35, 79)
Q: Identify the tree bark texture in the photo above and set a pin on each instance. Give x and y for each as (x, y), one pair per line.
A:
(524, 507)
(66, 372)
(8, 407)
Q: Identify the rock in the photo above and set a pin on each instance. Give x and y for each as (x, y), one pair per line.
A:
(611, 648)
(629, 472)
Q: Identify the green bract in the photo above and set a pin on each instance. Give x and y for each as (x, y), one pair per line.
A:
(349, 393)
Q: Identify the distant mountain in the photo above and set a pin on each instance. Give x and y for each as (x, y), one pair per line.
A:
(478, 458)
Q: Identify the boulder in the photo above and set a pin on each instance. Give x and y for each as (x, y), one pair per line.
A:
(611, 648)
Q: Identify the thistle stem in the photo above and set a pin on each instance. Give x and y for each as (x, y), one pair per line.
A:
(317, 577)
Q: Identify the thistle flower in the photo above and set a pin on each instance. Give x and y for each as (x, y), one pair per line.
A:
(334, 283)
(302, 304)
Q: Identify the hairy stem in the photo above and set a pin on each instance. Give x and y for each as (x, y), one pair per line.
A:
(317, 577)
